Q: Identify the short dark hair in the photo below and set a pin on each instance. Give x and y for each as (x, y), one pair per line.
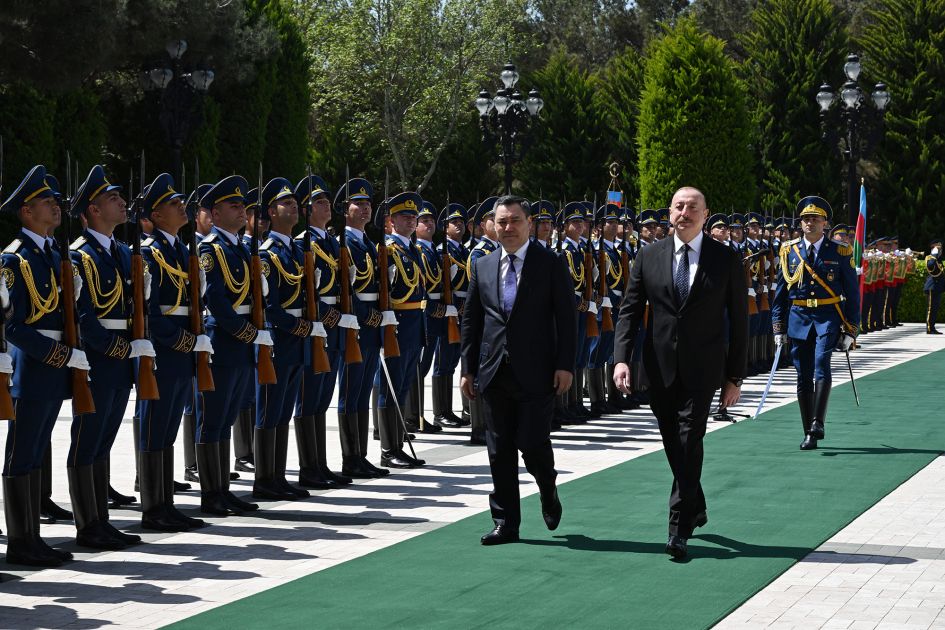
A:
(511, 200)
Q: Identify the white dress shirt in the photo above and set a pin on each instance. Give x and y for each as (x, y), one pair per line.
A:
(519, 261)
(816, 246)
(695, 248)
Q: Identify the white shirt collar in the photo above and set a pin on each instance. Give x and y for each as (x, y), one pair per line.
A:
(425, 242)
(816, 246)
(170, 238)
(519, 253)
(695, 244)
(230, 236)
(610, 243)
(39, 240)
(104, 241)
(355, 232)
(281, 237)
(320, 233)
(403, 239)
(568, 239)
(453, 241)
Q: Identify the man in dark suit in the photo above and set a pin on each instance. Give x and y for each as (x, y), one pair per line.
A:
(690, 282)
(518, 350)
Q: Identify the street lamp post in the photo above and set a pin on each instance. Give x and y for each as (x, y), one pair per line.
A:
(181, 87)
(507, 118)
(854, 127)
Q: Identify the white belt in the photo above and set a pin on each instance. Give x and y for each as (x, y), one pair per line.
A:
(461, 294)
(294, 312)
(243, 309)
(52, 334)
(114, 324)
(433, 296)
(367, 297)
(170, 309)
(331, 299)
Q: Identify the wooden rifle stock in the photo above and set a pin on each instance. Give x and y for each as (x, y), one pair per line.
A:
(764, 304)
(391, 347)
(592, 330)
(320, 364)
(352, 349)
(752, 302)
(146, 386)
(607, 321)
(82, 402)
(7, 411)
(265, 370)
(204, 373)
(452, 326)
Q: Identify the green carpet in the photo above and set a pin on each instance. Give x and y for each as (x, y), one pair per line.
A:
(769, 506)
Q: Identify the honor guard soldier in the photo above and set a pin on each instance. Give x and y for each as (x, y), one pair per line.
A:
(602, 346)
(934, 285)
(757, 290)
(573, 252)
(543, 216)
(226, 262)
(452, 223)
(203, 223)
(473, 229)
(717, 227)
(436, 318)
(648, 220)
(356, 379)
(40, 381)
(282, 264)
(408, 299)
(245, 425)
(736, 225)
(483, 222)
(169, 322)
(817, 305)
(104, 309)
(316, 390)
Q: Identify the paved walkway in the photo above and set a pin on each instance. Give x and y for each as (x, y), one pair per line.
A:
(177, 575)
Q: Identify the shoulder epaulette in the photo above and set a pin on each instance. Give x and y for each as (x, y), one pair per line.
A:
(266, 244)
(77, 243)
(13, 247)
(209, 238)
(300, 236)
(844, 250)
(480, 245)
(148, 242)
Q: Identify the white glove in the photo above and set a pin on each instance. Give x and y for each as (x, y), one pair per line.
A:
(353, 274)
(265, 286)
(780, 340)
(78, 360)
(203, 282)
(751, 292)
(77, 287)
(4, 296)
(451, 311)
(6, 363)
(606, 303)
(146, 278)
(318, 330)
(908, 251)
(203, 344)
(388, 318)
(592, 307)
(935, 251)
(318, 278)
(142, 348)
(263, 338)
(391, 272)
(453, 270)
(349, 321)
(859, 271)
(846, 342)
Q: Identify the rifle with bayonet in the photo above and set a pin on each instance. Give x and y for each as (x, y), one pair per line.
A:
(204, 373)
(352, 349)
(265, 369)
(82, 402)
(391, 347)
(452, 326)
(320, 364)
(591, 327)
(607, 321)
(146, 387)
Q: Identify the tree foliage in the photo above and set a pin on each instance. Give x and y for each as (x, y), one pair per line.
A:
(694, 128)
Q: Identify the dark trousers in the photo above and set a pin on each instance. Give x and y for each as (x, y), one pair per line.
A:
(516, 421)
(931, 316)
(681, 414)
(28, 436)
(160, 419)
(94, 433)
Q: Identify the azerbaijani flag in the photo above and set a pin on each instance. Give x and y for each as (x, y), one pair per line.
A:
(615, 197)
(859, 245)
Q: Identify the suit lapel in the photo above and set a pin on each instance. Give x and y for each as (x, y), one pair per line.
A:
(668, 265)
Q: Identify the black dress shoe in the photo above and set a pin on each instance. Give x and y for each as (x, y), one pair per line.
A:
(446, 421)
(701, 520)
(353, 469)
(117, 499)
(477, 439)
(237, 503)
(53, 512)
(244, 464)
(190, 474)
(416, 462)
(213, 503)
(392, 459)
(934, 332)
(500, 535)
(114, 532)
(430, 427)
(180, 486)
(809, 443)
(373, 470)
(677, 547)
(551, 511)
(817, 430)
(234, 475)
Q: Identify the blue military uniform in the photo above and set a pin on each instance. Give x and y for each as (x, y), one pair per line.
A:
(934, 286)
(758, 322)
(41, 379)
(169, 324)
(282, 264)
(817, 299)
(408, 297)
(316, 390)
(602, 346)
(355, 380)
(226, 262)
(574, 254)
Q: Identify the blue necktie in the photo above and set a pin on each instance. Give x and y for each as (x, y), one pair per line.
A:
(682, 275)
(509, 287)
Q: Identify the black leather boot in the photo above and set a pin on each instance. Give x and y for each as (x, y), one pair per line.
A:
(805, 401)
(266, 486)
(90, 531)
(579, 414)
(821, 396)
(363, 418)
(189, 431)
(243, 441)
(102, 490)
(390, 439)
(464, 416)
(36, 496)
(211, 489)
(321, 435)
(22, 547)
(442, 401)
(154, 514)
(310, 472)
(595, 391)
(225, 477)
(48, 508)
(167, 470)
(351, 465)
(282, 454)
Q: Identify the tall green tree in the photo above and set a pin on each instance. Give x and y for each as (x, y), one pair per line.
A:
(783, 81)
(904, 47)
(694, 128)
